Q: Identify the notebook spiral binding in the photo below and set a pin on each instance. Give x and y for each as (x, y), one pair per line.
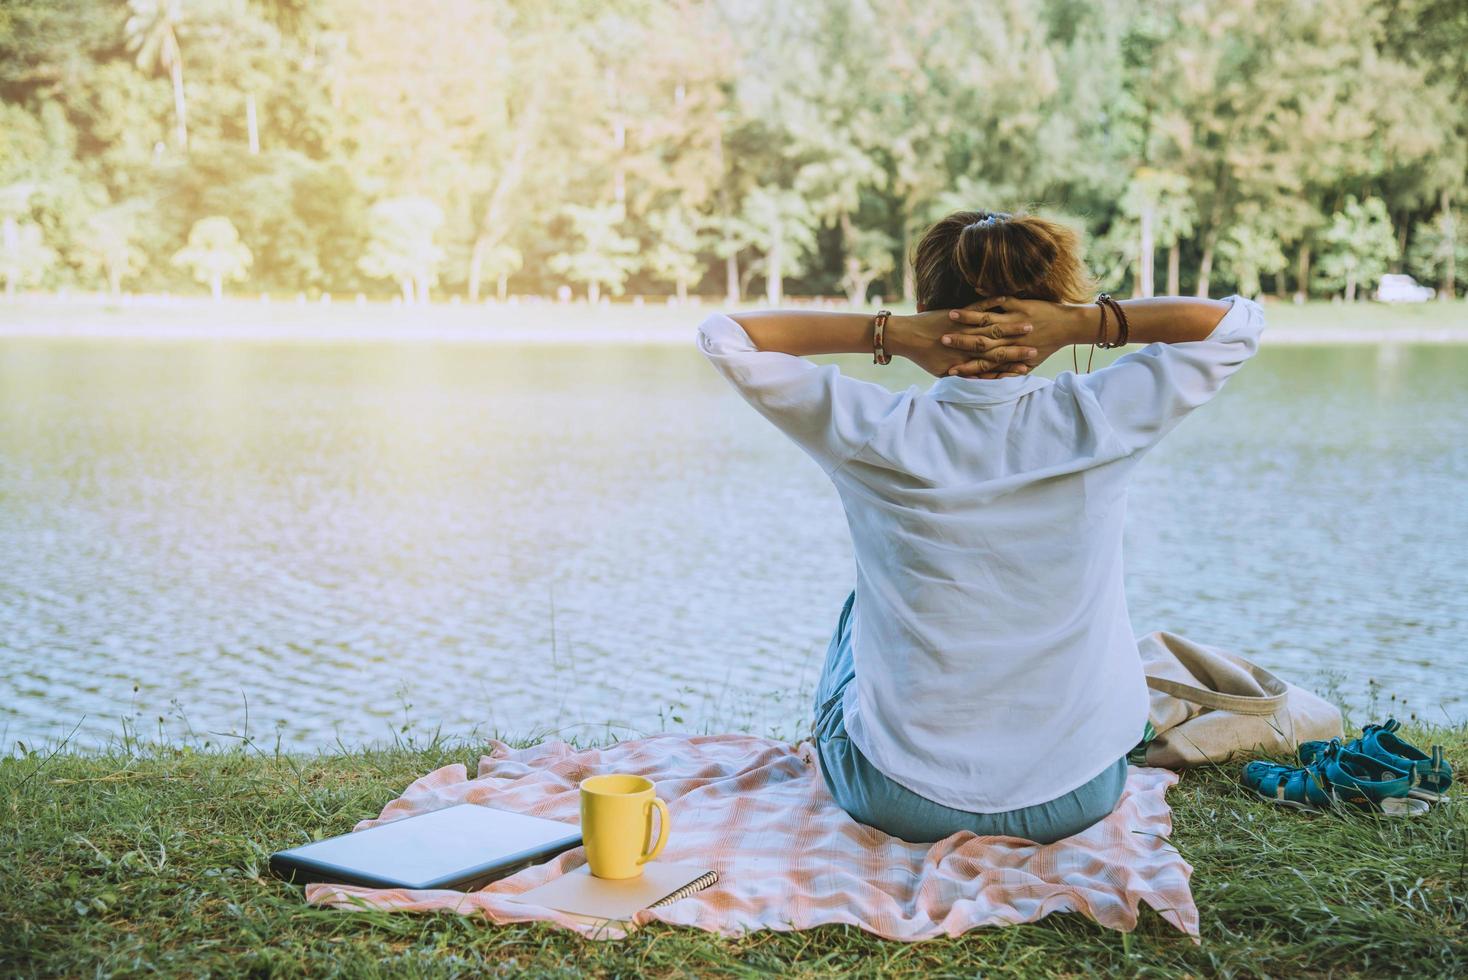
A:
(696, 885)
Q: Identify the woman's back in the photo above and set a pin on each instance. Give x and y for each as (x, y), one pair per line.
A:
(986, 519)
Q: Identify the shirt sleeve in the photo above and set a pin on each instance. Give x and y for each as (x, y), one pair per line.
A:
(824, 412)
(1145, 394)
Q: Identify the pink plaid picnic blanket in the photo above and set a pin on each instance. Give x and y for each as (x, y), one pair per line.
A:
(790, 858)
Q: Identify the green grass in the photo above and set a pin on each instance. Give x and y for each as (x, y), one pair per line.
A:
(134, 862)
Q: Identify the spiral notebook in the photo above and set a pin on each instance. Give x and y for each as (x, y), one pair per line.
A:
(601, 900)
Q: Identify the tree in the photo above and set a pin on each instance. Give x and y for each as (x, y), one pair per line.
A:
(868, 257)
(1249, 250)
(675, 257)
(602, 255)
(1440, 251)
(1359, 246)
(215, 254)
(401, 245)
(780, 224)
(499, 262)
(108, 247)
(24, 254)
(1157, 202)
(152, 36)
(791, 135)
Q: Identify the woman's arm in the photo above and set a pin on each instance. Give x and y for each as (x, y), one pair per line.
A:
(1164, 319)
(1192, 347)
(915, 337)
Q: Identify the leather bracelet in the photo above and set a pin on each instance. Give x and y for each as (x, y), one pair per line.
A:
(1123, 328)
(879, 330)
(1126, 328)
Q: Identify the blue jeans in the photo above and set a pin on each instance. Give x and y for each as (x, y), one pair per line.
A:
(877, 801)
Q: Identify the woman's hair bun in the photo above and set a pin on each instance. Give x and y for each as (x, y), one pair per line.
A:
(970, 255)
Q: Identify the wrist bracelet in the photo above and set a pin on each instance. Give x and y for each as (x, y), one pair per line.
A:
(879, 329)
(1105, 301)
(1123, 340)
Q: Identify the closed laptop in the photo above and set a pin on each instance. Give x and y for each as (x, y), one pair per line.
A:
(461, 847)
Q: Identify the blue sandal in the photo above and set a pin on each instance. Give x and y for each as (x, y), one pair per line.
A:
(1431, 774)
(1336, 774)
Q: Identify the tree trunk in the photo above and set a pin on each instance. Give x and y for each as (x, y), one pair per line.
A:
(1302, 273)
(407, 286)
(619, 169)
(731, 278)
(114, 279)
(476, 257)
(745, 276)
(502, 287)
(773, 272)
(682, 291)
(1205, 264)
(1350, 285)
(593, 292)
(856, 286)
(492, 223)
(1144, 281)
(1174, 269)
(216, 286)
(251, 125)
(421, 289)
(1449, 288)
(1401, 244)
(181, 127)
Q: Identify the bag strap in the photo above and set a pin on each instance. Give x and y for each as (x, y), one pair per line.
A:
(1239, 704)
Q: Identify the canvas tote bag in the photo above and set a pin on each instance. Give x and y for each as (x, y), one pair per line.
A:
(1210, 706)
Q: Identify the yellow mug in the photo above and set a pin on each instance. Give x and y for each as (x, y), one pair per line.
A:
(616, 824)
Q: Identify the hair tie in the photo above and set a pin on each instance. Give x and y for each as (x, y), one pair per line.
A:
(989, 220)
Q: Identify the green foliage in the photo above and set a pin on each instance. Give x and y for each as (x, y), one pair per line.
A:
(24, 254)
(675, 257)
(602, 255)
(1249, 250)
(500, 262)
(108, 248)
(1357, 247)
(401, 246)
(869, 256)
(781, 224)
(1439, 252)
(804, 145)
(215, 254)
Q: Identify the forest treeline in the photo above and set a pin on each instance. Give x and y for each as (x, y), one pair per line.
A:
(492, 147)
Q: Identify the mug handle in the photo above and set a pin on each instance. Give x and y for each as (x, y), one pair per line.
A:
(663, 827)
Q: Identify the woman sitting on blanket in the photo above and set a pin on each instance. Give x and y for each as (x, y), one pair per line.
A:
(983, 675)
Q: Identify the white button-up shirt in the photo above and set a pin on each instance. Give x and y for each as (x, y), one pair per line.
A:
(996, 666)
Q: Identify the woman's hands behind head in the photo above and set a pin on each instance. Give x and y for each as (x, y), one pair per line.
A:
(994, 345)
(978, 333)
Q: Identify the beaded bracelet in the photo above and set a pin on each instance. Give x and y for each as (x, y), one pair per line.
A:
(879, 329)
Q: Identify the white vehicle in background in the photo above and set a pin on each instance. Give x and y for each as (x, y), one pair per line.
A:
(1403, 289)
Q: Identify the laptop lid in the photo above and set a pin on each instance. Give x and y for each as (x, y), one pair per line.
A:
(461, 847)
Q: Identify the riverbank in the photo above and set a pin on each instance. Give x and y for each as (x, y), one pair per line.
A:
(155, 862)
(543, 322)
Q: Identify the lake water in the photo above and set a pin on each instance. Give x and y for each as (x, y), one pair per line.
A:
(329, 542)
